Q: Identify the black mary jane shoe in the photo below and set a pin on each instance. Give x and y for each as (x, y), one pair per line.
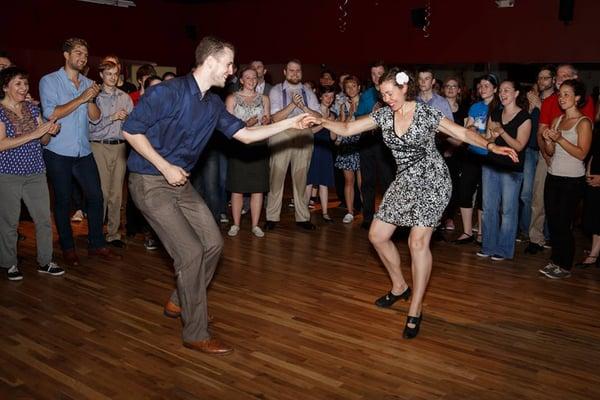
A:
(586, 265)
(465, 240)
(390, 298)
(411, 333)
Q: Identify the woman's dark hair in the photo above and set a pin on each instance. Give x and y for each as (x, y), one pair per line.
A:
(390, 75)
(521, 100)
(150, 79)
(8, 74)
(493, 79)
(577, 86)
(167, 74)
(321, 90)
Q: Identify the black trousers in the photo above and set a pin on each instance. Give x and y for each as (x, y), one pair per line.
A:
(469, 181)
(561, 198)
(376, 163)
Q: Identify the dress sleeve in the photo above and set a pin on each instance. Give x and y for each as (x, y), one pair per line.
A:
(379, 116)
(434, 116)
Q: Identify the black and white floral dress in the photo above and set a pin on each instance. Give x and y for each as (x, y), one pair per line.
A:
(422, 187)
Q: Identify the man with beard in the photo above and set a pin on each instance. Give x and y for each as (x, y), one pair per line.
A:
(292, 148)
(69, 97)
(168, 130)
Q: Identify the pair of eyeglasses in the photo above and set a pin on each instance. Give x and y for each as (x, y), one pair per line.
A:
(451, 86)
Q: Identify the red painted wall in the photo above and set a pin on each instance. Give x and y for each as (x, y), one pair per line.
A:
(461, 31)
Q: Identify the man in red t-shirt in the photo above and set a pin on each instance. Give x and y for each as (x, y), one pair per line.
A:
(549, 111)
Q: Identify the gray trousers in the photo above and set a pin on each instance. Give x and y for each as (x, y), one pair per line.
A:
(190, 235)
(33, 190)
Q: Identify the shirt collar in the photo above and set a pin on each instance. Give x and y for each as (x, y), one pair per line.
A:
(193, 85)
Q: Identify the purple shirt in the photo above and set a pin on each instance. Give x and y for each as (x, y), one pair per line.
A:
(27, 158)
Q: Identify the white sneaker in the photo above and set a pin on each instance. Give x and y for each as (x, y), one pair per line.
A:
(223, 218)
(78, 216)
(258, 232)
(348, 218)
(234, 230)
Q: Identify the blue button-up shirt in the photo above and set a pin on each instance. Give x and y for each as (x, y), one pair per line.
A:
(439, 103)
(178, 121)
(57, 89)
(367, 101)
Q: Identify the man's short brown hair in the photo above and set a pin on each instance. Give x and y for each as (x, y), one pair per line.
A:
(144, 70)
(108, 65)
(209, 46)
(70, 44)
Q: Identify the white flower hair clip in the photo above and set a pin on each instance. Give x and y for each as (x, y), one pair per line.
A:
(401, 78)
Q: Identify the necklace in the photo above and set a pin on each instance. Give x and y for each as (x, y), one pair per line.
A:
(16, 108)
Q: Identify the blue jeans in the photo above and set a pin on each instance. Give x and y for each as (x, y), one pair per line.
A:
(61, 170)
(500, 211)
(531, 159)
(208, 178)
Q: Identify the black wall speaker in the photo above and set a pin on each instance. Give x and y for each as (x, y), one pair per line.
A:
(417, 17)
(565, 10)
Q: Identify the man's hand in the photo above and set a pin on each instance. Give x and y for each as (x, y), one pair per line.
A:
(90, 93)
(593, 180)
(265, 120)
(175, 176)
(298, 100)
(119, 115)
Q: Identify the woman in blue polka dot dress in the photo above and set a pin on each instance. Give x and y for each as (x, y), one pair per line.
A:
(23, 173)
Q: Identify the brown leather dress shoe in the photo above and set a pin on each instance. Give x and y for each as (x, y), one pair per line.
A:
(70, 258)
(172, 310)
(104, 253)
(209, 346)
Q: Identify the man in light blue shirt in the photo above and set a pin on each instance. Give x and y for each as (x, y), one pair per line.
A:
(68, 97)
(426, 94)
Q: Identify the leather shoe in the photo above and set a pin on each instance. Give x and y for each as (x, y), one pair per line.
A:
(70, 258)
(104, 253)
(172, 310)
(209, 346)
(390, 298)
(309, 226)
(270, 225)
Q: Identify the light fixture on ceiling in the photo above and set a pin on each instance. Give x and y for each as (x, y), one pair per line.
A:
(115, 3)
(505, 3)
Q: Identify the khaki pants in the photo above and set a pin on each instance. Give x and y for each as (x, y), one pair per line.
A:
(292, 148)
(111, 162)
(538, 214)
(190, 235)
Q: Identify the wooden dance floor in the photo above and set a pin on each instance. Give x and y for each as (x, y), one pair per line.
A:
(298, 308)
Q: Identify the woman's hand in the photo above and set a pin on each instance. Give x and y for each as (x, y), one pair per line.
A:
(504, 151)
(309, 121)
(552, 134)
(50, 127)
(593, 180)
(265, 120)
(251, 121)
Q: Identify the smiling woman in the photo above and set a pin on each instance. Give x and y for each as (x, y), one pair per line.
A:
(22, 173)
(422, 187)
